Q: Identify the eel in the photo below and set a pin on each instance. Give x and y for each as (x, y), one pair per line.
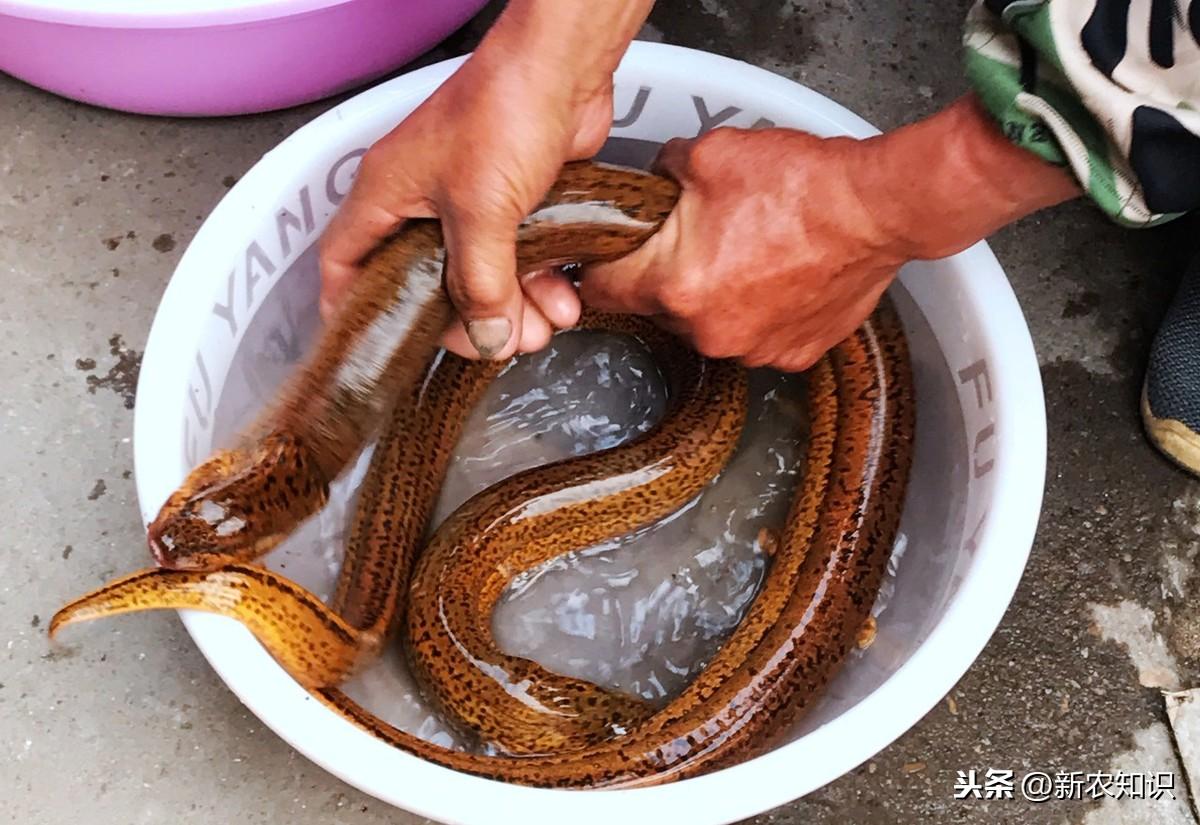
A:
(242, 502)
(378, 362)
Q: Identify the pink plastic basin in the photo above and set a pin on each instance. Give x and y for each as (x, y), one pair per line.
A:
(215, 57)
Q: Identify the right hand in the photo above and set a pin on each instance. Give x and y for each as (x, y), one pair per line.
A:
(479, 154)
(783, 242)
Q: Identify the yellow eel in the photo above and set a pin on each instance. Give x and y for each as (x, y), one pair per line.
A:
(378, 363)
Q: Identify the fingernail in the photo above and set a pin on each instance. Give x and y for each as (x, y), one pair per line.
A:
(489, 335)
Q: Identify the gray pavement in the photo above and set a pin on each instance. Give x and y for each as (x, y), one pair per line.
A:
(133, 727)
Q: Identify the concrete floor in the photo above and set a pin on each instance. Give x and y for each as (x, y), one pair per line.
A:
(95, 209)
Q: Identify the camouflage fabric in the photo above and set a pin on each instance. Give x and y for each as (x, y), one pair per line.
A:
(1110, 88)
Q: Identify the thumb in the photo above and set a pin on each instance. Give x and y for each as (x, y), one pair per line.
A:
(635, 283)
(482, 281)
(631, 284)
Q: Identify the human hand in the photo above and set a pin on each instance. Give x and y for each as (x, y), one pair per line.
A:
(479, 154)
(782, 242)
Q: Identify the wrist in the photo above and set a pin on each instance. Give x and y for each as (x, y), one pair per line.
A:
(573, 46)
(939, 185)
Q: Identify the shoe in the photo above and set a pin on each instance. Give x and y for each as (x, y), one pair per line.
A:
(1171, 392)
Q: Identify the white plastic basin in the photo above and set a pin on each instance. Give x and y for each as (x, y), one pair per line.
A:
(969, 519)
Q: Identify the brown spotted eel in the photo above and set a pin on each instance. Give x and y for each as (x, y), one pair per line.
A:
(377, 373)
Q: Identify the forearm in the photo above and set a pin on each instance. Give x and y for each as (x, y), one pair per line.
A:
(952, 179)
(580, 40)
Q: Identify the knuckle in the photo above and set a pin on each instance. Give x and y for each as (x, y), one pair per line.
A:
(713, 342)
(710, 149)
(372, 164)
(676, 302)
(799, 360)
(478, 290)
(682, 295)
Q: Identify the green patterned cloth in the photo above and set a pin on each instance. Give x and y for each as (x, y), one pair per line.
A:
(1109, 88)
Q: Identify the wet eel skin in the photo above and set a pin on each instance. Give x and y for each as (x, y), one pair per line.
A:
(377, 373)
